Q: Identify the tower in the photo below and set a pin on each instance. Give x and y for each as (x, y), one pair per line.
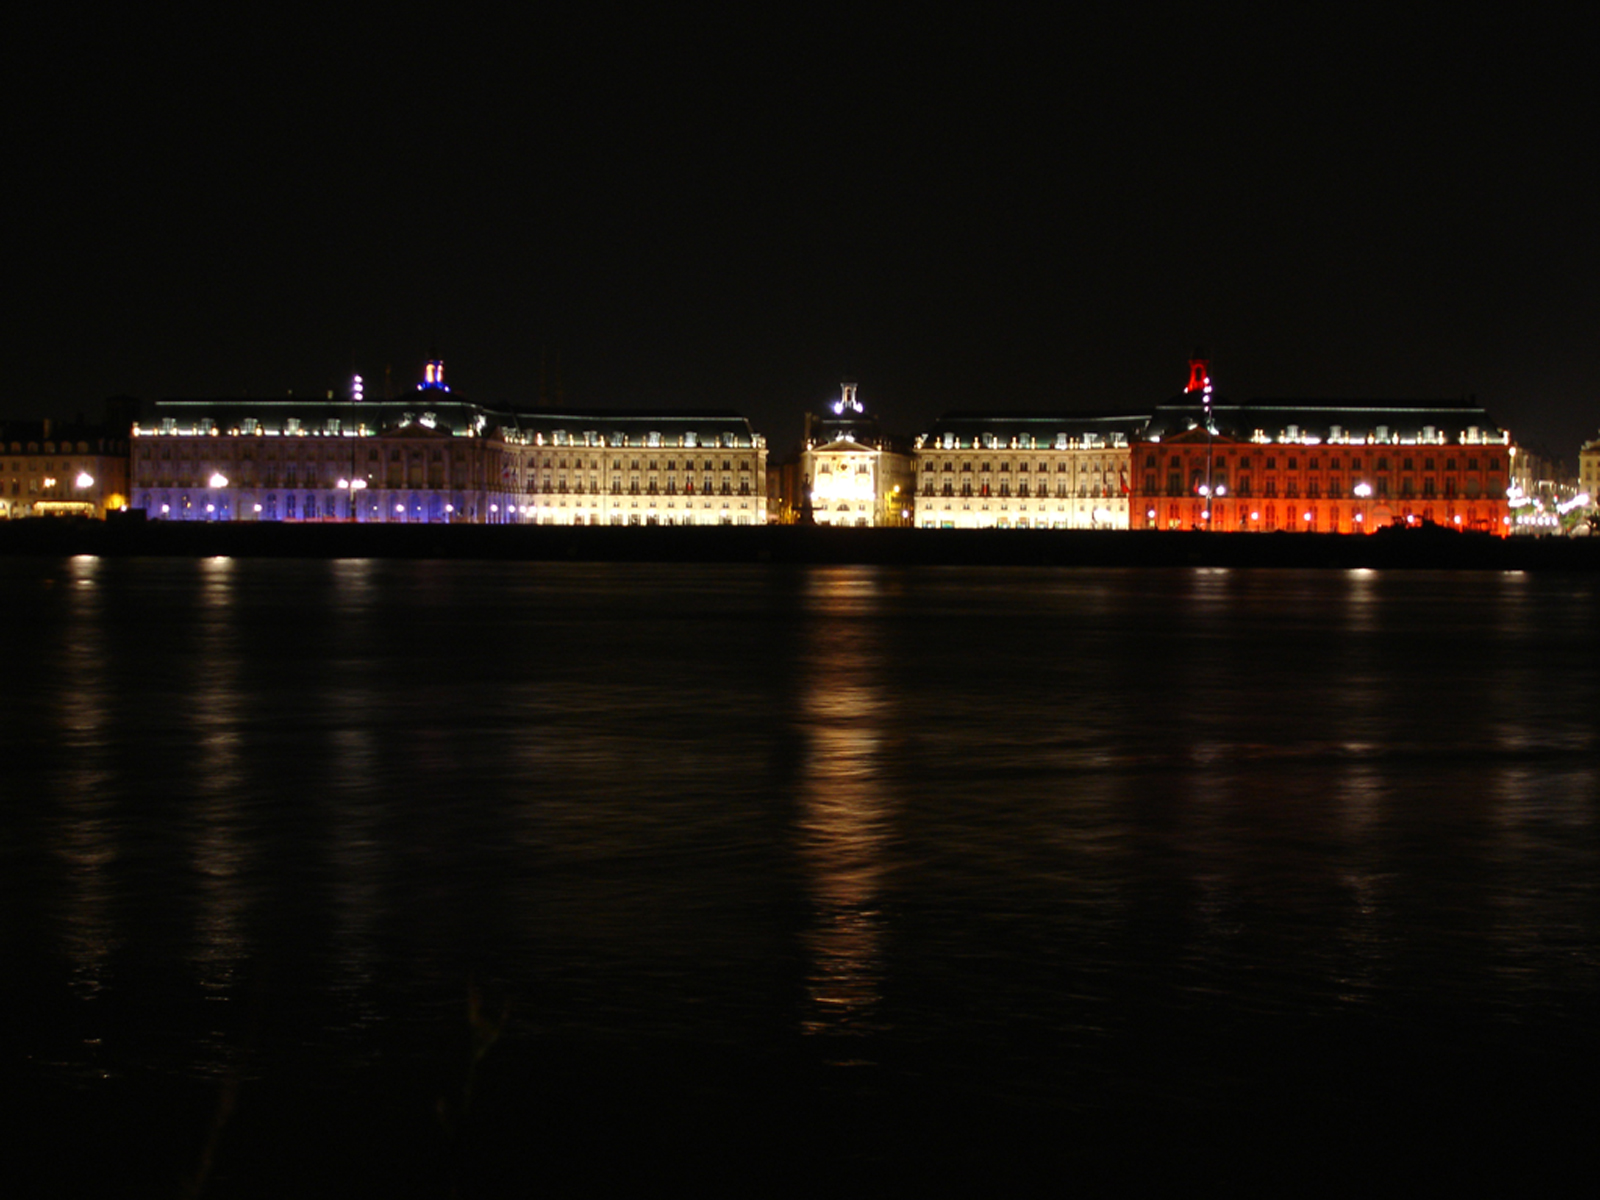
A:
(1200, 381)
(433, 376)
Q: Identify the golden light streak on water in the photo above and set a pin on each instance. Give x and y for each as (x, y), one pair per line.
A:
(846, 808)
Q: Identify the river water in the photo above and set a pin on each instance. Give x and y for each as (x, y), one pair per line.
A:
(392, 878)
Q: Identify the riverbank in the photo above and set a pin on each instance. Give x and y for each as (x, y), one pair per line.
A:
(1434, 548)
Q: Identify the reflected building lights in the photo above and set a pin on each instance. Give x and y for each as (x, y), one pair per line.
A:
(353, 845)
(845, 811)
(87, 842)
(221, 841)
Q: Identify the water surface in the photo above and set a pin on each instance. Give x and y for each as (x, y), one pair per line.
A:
(800, 877)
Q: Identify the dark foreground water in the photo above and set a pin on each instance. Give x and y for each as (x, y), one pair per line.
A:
(413, 878)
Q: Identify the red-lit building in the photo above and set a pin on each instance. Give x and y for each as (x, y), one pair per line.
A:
(1325, 466)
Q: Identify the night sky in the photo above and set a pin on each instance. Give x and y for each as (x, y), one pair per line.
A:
(731, 209)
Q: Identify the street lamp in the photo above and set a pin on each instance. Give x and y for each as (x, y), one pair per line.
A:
(1362, 491)
(217, 481)
(352, 486)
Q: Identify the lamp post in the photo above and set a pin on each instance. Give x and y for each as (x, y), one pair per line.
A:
(352, 486)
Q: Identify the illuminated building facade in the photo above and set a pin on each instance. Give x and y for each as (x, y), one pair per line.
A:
(1323, 466)
(433, 458)
(428, 458)
(1025, 471)
(640, 468)
(1543, 498)
(850, 472)
(54, 470)
(1589, 473)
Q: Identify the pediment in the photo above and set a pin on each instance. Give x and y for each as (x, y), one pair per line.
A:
(416, 429)
(1199, 434)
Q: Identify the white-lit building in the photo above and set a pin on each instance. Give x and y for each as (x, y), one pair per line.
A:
(1025, 471)
(620, 467)
(850, 473)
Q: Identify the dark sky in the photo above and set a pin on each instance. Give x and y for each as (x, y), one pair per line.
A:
(957, 211)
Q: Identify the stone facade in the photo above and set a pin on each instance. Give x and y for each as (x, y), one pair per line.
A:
(1025, 471)
(1334, 467)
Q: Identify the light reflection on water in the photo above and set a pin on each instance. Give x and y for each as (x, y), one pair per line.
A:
(289, 813)
(86, 836)
(846, 801)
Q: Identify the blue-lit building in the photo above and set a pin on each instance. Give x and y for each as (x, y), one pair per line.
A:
(433, 457)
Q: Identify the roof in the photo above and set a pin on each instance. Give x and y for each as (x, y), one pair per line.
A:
(1035, 429)
(436, 409)
(273, 414)
(1325, 420)
(635, 427)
